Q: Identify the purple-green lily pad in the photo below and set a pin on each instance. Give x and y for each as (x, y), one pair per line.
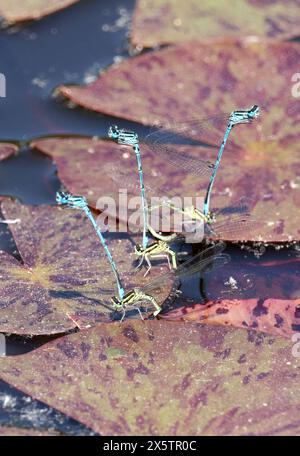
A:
(158, 22)
(64, 281)
(18, 432)
(163, 378)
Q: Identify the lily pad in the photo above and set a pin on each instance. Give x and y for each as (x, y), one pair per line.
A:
(173, 21)
(64, 281)
(15, 432)
(272, 316)
(263, 295)
(213, 78)
(16, 11)
(6, 150)
(80, 162)
(88, 167)
(223, 382)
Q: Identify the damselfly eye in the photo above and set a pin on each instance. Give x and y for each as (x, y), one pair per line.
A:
(113, 132)
(61, 197)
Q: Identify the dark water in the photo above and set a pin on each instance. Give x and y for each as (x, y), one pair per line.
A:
(72, 46)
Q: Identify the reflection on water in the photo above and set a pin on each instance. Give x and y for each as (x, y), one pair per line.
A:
(19, 410)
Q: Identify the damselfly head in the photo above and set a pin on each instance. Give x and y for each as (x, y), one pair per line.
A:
(62, 198)
(66, 199)
(244, 116)
(138, 249)
(113, 132)
(116, 302)
(254, 112)
(211, 217)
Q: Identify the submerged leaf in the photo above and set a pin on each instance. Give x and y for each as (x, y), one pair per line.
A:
(65, 281)
(262, 295)
(163, 378)
(168, 21)
(16, 11)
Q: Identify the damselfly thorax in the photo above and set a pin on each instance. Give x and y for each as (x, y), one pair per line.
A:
(132, 299)
(158, 249)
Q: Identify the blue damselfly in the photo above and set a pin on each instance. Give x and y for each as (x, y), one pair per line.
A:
(66, 199)
(163, 140)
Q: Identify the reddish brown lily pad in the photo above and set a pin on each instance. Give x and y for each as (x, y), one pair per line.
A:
(6, 150)
(116, 379)
(80, 162)
(16, 11)
(88, 167)
(83, 166)
(261, 295)
(213, 78)
(14, 432)
(65, 281)
(273, 316)
(168, 21)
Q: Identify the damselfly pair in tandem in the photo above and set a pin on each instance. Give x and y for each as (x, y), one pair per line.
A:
(211, 256)
(139, 298)
(196, 222)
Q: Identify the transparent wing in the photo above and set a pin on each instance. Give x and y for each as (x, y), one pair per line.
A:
(241, 206)
(204, 261)
(184, 160)
(123, 179)
(195, 131)
(234, 221)
(162, 216)
(233, 228)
